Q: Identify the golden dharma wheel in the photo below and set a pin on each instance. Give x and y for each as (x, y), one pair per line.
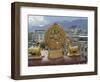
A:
(55, 37)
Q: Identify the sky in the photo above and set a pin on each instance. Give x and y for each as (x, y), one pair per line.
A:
(35, 20)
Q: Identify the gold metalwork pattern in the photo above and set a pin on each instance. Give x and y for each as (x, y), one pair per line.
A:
(55, 37)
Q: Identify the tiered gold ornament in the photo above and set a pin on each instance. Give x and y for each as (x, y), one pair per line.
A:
(55, 39)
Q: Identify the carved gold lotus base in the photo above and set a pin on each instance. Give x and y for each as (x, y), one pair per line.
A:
(54, 54)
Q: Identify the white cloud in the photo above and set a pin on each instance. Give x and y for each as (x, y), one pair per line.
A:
(37, 20)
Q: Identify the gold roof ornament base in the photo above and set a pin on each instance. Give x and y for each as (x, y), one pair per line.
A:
(53, 54)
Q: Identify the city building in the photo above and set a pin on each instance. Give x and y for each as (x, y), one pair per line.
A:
(38, 35)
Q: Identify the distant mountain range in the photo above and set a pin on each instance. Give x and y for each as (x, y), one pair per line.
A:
(66, 25)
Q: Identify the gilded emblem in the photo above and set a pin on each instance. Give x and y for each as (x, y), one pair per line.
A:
(55, 39)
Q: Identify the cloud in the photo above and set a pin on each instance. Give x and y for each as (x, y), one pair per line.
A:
(37, 20)
(45, 20)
